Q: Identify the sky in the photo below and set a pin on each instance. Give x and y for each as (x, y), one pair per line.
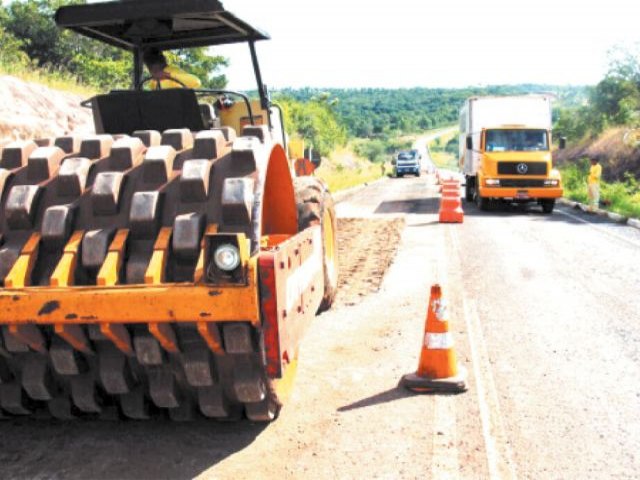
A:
(413, 43)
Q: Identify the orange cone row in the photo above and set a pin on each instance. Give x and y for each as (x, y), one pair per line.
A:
(450, 203)
(438, 369)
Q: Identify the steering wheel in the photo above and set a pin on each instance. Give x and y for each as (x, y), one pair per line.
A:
(158, 86)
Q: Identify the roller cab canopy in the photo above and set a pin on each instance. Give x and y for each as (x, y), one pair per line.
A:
(135, 25)
(165, 24)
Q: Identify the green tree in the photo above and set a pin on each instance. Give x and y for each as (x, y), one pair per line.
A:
(617, 96)
(199, 63)
(615, 100)
(91, 62)
(11, 48)
(31, 23)
(314, 121)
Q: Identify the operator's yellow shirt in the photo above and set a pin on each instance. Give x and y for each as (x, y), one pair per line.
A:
(595, 172)
(186, 79)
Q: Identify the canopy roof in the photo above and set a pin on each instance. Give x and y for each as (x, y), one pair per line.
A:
(165, 24)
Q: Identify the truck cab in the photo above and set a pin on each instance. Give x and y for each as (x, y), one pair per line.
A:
(408, 161)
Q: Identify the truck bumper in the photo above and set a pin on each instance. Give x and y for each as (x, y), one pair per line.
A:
(520, 193)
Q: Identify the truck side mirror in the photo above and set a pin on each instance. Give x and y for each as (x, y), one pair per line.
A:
(393, 161)
(469, 142)
(562, 143)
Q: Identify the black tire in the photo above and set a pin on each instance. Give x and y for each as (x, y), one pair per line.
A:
(481, 202)
(315, 206)
(547, 205)
(469, 190)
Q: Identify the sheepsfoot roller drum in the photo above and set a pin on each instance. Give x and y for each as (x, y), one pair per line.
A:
(158, 271)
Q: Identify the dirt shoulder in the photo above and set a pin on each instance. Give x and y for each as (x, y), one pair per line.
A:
(366, 247)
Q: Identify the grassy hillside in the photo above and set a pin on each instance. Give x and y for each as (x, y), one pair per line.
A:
(618, 153)
(621, 197)
(55, 80)
(343, 169)
(444, 150)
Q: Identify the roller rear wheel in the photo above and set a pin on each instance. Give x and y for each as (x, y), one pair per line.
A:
(315, 206)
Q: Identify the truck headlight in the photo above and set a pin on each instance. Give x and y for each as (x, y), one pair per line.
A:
(551, 182)
(227, 257)
(492, 182)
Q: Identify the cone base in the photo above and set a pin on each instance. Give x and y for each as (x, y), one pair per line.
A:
(451, 216)
(418, 384)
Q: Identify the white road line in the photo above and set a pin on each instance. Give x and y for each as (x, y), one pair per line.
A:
(445, 463)
(499, 456)
(600, 229)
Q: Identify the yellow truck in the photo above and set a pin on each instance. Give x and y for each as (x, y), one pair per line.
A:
(505, 151)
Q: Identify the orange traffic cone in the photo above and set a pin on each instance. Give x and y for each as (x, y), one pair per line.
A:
(450, 203)
(438, 370)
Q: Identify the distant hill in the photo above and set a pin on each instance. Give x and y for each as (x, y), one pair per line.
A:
(375, 112)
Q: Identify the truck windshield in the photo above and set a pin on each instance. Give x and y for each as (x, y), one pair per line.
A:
(516, 140)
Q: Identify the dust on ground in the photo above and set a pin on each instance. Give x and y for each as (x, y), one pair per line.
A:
(366, 248)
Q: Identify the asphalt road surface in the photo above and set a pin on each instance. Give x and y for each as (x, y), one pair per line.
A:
(545, 313)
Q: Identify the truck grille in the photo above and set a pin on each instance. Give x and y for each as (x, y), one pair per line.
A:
(521, 183)
(532, 168)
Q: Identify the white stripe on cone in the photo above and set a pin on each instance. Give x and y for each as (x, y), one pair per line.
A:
(438, 341)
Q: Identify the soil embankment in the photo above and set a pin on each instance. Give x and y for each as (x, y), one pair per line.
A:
(32, 111)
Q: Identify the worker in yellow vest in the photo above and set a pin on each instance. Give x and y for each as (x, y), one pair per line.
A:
(593, 185)
(165, 76)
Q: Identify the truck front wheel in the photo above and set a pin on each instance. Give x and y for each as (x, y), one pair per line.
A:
(482, 202)
(469, 187)
(548, 204)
